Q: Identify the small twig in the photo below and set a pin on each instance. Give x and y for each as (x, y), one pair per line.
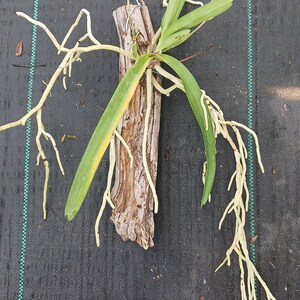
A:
(29, 66)
(202, 52)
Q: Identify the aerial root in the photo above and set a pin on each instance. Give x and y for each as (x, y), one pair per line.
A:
(65, 68)
(165, 2)
(71, 55)
(41, 155)
(162, 90)
(146, 129)
(107, 193)
(106, 196)
(239, 204)
(170, 77)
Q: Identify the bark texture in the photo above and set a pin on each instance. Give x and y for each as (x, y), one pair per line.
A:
(131, 194)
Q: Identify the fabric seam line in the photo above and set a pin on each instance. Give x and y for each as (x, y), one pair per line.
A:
(252, 224)
(27, 156)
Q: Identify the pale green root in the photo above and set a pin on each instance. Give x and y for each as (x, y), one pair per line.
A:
(161, 89)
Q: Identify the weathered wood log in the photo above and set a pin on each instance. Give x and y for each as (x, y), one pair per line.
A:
(131, 194)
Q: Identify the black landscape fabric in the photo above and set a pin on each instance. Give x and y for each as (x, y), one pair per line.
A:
(62, 260)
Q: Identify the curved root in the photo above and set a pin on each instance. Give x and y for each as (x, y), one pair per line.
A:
(71, 55)
(239, 204)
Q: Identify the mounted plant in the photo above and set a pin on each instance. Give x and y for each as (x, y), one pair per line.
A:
(129, 126)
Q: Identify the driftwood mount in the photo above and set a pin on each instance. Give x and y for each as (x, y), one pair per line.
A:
(131, 193)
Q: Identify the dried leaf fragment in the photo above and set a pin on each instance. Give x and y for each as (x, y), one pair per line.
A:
(19, 49)
(253, 239)
(67, 136)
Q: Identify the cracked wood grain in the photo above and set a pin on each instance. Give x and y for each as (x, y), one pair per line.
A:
(131, 194)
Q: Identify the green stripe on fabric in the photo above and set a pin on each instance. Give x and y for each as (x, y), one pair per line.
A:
(252, 223)
(27, 155)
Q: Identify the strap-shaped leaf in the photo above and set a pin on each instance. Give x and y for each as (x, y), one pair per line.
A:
(177, 30)
(102, 135)
(173, 40)
(194, 93)
(171, 14)
(199, 15)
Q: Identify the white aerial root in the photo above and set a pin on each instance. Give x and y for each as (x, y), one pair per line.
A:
(88, 29)
(165, 2)
(119, 136)
(72, 55)
(239, 204)
(106, 195)
(41, 155)
(112, 160)
(194, 2)
(146, 128)
(203, 177)
(203, 95)
(161, 89)
(167, 75)
(97, 46)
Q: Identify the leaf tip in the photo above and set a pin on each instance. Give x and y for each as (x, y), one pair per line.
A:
(70, 214)
(203, 202)
(205, 199)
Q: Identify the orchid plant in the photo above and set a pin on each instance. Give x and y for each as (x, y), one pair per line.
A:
(175, 29)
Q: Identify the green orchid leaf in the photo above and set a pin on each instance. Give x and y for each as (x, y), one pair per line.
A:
(186, 24)
(103, 134)
(171, 14)
(194, 94)
(199, 15)
(173, 40)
